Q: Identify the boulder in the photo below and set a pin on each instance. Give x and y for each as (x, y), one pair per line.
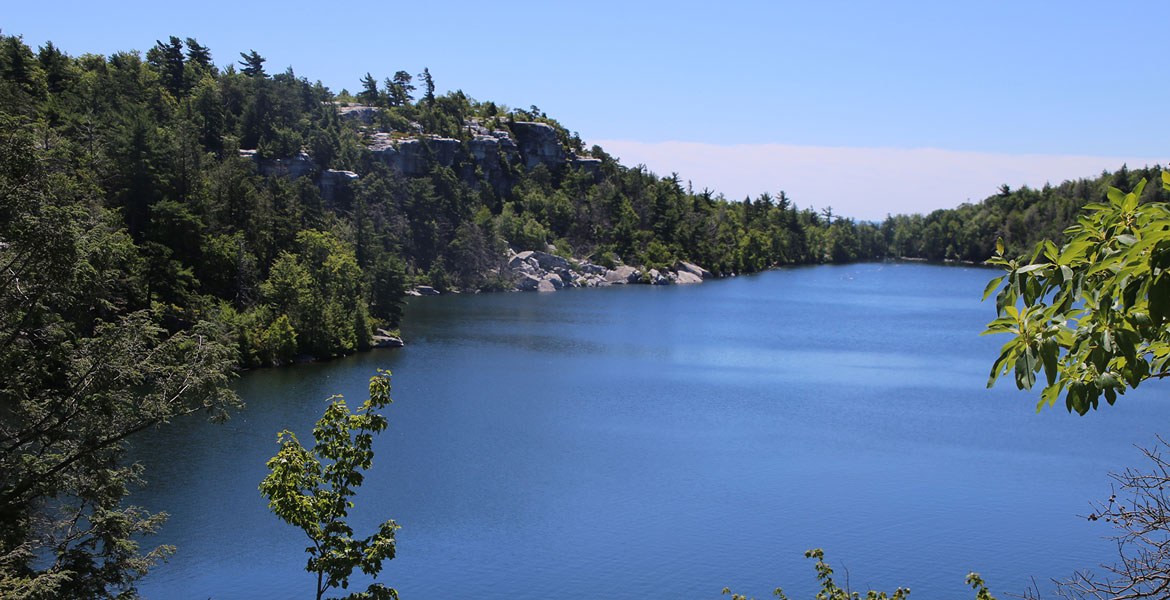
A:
(657, 278)
(592, 269)
(528, 282)
(555, 280)
(693, 269)
(623, 274)
(426, 290)
(385, 340)
(516, 260)
(548, 262)
(685, 277)
(546, 285)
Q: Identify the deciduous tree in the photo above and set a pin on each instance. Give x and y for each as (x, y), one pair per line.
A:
(311, 490)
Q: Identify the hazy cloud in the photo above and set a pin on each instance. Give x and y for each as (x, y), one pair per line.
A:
(864, 183)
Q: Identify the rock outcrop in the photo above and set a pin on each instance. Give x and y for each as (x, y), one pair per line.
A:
(696, 270)
(491, 155)
(546, 272)
(385, 339)
(358, 112)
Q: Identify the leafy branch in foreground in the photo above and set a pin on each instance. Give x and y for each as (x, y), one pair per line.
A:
(1094, 314)
(831, 591)
(311, 489)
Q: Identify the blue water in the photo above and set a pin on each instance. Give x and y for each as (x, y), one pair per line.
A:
(659, 442)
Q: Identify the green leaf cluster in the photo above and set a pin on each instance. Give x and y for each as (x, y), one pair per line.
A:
(311, 490)
(1092, 315)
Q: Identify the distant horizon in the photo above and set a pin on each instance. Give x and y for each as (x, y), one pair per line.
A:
(916, 180)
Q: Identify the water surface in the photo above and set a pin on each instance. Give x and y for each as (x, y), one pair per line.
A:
(638, 442)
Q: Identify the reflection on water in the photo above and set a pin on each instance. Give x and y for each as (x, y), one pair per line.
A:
(639, 441)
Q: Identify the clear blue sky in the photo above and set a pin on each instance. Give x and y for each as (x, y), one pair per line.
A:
(1040, 78)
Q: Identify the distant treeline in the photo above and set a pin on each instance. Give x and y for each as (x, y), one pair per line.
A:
(1020, 217)
(149, 147)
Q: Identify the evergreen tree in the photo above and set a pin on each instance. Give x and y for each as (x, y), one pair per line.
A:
(429, 86)
(253, 64)
(369, 94)
(399, 89)
(168, 60)
(198, 54)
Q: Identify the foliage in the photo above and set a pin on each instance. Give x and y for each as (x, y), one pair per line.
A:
(85, 367)
(311, 490)
(831, 591)
(1093, 313)
(1021, 218)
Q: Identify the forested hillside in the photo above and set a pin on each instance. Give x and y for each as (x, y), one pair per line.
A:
(1022, 218)
(297, 216)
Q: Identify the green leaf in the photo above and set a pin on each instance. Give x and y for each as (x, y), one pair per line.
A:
(1050, 353)
(992, 285)
(1026, 369)
(1159, 298)
(1166, 180)
(1001, 301)
(1073, 251)
(999, 241)
(1107, 380)
(1136, 193)
(1050, 251)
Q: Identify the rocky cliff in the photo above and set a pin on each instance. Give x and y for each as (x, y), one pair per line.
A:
(490, 154)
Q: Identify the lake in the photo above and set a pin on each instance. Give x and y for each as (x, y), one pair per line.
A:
(638, 441)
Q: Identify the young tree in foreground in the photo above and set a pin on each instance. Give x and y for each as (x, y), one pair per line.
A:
(1094, 314)
(311, 489)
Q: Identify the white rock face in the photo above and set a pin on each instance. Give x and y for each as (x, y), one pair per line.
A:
(693, 269)
(623, 274)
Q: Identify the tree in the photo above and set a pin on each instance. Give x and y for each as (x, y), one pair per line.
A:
(198, 54)
(253, 64)
(399, 89)
(1094, 313)
(311, 489)
(81, 375)
(369, 93)
(429, 86)
(168, 59)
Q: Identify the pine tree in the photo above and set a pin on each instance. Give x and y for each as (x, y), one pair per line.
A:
(253, 64)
